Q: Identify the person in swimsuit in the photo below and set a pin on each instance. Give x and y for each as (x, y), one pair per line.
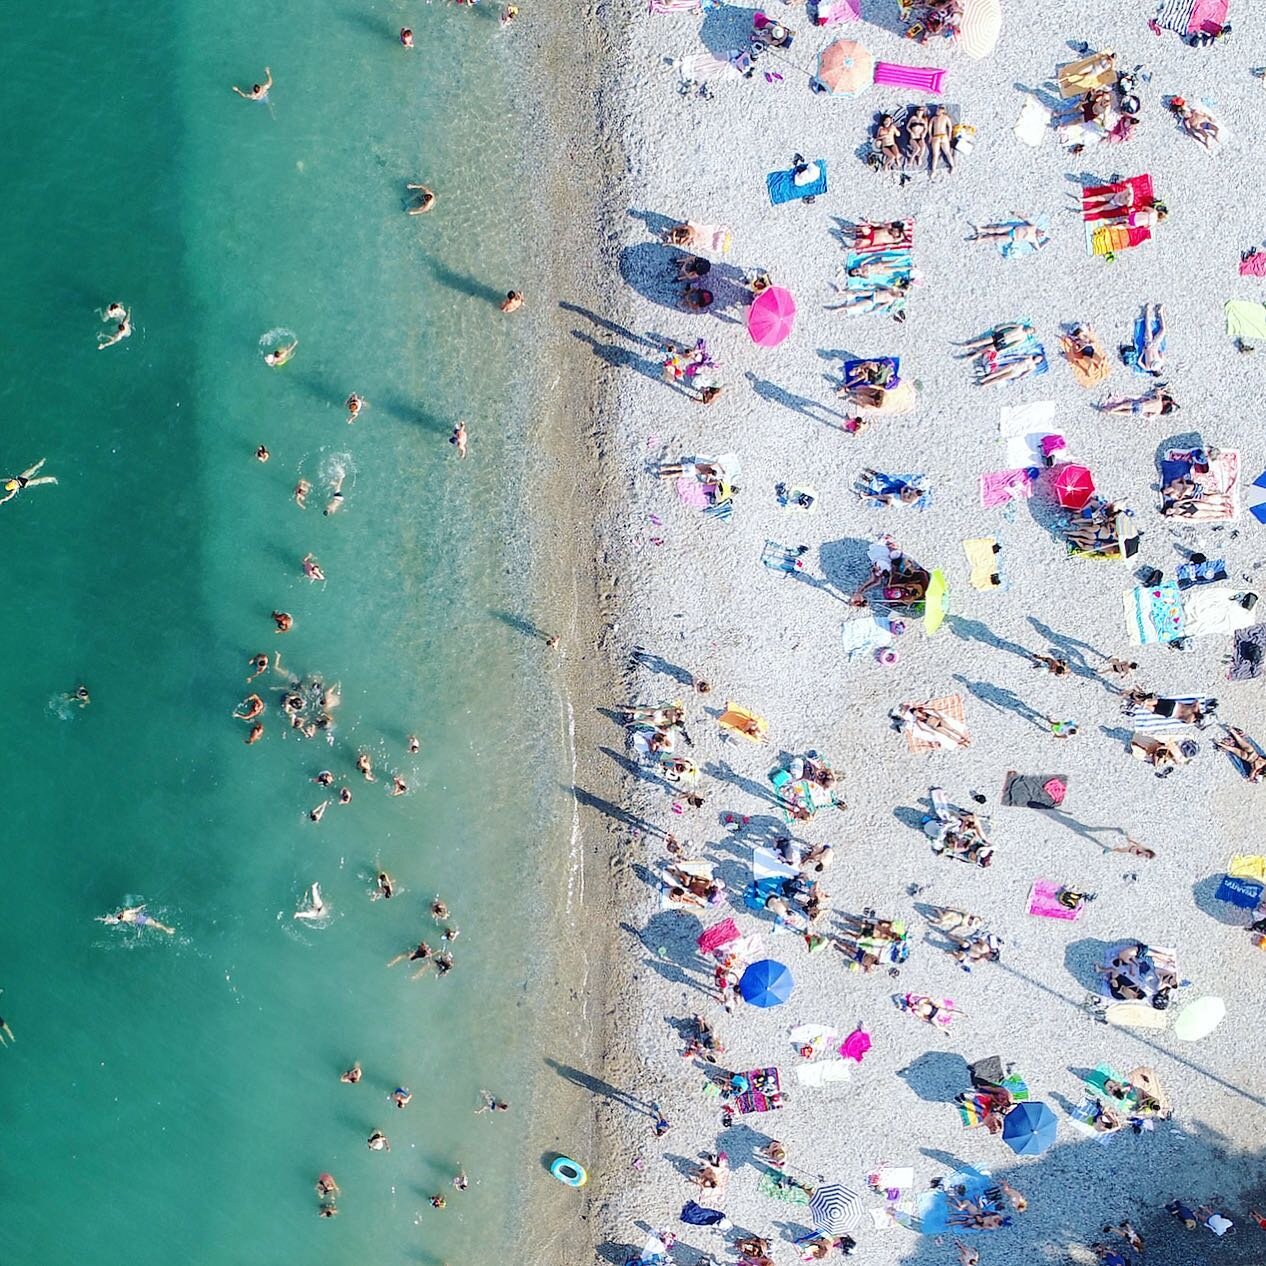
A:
(354, 404)
(302, 488)
(867, 235)
(1240, 747)
(351, 1076)
(421, 953)
(315, 909)
(312, 569)
(258, 92)
(315, 815)
(136, 916)
(459, 439)
(284, 621)
(365, 764)
(121, 331)
(460, 1181)
(1157, 403)
(1021, 367)
(886, 140)
(1001, 339)
(5, 1032)
(512, 302)
(426, 200)
(916, 137)
(401, 1096)
(385, 886)
(335, 503)
(942, 129)
(1017, 230)
(326, 1186)
(253, 706)
(378, 1142)
(280, 355)
(27, 479)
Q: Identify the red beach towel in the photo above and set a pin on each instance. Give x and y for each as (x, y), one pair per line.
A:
(717, 935)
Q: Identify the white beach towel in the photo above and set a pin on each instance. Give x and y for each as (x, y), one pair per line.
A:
(1022, 418)
(824, 1073)
(1034, 119)
(766, 864)
(868, 633)
(1209, 611)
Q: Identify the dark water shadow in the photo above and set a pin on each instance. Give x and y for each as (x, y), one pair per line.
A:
(520, 625)
(615, 812)
(461, 282)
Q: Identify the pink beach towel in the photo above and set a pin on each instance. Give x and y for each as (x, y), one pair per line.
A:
(998, 487)
(692, 492)
(1208, 17)
(1045, 904)
(717, 935)
(919, 78)
(1254, 265)
(675, 6)
(840, 11)
(855, 1045)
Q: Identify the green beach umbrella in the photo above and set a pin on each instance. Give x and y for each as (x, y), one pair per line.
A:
(936, 603)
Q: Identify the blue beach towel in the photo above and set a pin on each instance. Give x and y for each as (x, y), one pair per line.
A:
(1029, 347)
(783, 188)
(935, 1208)
(1013, 249)
(1130, 355)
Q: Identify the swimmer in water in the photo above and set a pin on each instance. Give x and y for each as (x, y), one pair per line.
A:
(136, 916)
(335, 503)
(411, 745)
(115, 312)
(512, 302)
(451, 933)
(406, 37)
(420, 953)
(398, 785)
(316, 908)
(121, 331)
(386, 887)
(27, 479)
(460, 1181)
(438, 1202)
(258, 92)
(345, 795)
(444, 963)
(351, 1076)
(426, 200)
(401, 1097)
(284, 621)
(354, 404)
(280, 355)
(458, 439)
(328, 1211)
(315, 815)
(378, 1142)
(509, 13)
(79, 695)
(312, 569)
(491, 1104)
(5, 1032)
(253, 704)
(326, 1186)
(257, 733)
(262, 454)
(260, 664)
(325, 778)
(302, 488)
(366, 766)
(439, 911)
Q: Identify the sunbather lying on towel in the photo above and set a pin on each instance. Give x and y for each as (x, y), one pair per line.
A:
(1197, 124)
(1164, 755)
(1242, 749)
(860, 302)
(1021, 367)
(1157, 403)
(935, 726)
(878, 489)
(1001, 339)
(1121, 200)
(1017, 230)
(1083, 352)
(867, 236)
(1150, 355)
(1197, 712)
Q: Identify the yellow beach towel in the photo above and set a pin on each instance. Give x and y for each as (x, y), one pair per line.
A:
(982, 554)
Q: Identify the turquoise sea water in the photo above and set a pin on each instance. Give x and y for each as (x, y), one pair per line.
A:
(172, 1099)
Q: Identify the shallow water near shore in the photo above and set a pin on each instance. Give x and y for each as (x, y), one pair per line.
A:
(178, 1095)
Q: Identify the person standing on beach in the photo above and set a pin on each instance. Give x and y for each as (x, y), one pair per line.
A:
(258, 92)
(458, 438)
(1056, 667)
(662, 1124)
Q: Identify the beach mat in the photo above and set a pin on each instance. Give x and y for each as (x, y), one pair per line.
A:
(826, 1073)
(782, 185)
(949, 706)
(1248, 658)
(982, 553)
(1034, 791)
(1154, 614)
(1246, 319)
(1044, 902)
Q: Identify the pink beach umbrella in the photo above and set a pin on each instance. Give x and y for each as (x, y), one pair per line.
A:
(771, 316)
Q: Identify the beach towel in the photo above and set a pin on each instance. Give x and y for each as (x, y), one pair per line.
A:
(982, 554)
(1208, 17)
(1044, 902)
(1248, 866)
(1174, 15)
(973, 1109)
(783, 188)
(694, 1214)
(780, 1187)
(1098, 70)
(934, 1208)
(1141, 195)
(715, 238)
(1219, 489)
(1253, 265)
(1245, 318)
(865, 635)
(1154, 614)
(855, 1045)
(1035, 118)
(1211, 612)
(814, 1036)
(719, 934)
(1242, 893)
(919, 738)
(1131, 355)
(881, 484)
(839, 12)
(700, 67)
(1207, 573)
(1028, 346)
(744, 723)
(1034, 791)
(1010, 248)
(1000, 487)
(905, 244)
(1088, 373)
(884, 266)
(675, 6)
(918, 78)
(783, 558)
(827, 1072)
(766, 864)
(1248, 656)
(1154, 723)
(1135, 1015)
(766, 1099)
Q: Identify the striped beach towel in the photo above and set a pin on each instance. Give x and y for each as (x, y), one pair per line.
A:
(1174, 15)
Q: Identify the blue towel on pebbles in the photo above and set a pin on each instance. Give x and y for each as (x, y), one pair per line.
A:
(783, 188)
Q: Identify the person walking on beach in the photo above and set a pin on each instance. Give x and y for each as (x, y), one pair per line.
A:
(512, 302)
(662, 1124)
(1056, 667)
(27, 479)
(458, 438)
(258, 92)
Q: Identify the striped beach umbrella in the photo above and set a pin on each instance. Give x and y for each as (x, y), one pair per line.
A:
(1255, 498)
(835, 1208)
(979, 27)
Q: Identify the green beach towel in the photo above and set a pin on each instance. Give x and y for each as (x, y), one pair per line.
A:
(776, 1187)
(1246, 318)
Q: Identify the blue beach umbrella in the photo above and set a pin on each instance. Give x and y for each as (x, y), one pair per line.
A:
(1029, 1128)
(1255, 498)
(766, 984)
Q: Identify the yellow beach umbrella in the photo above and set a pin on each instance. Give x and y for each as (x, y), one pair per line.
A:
(936, 603)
